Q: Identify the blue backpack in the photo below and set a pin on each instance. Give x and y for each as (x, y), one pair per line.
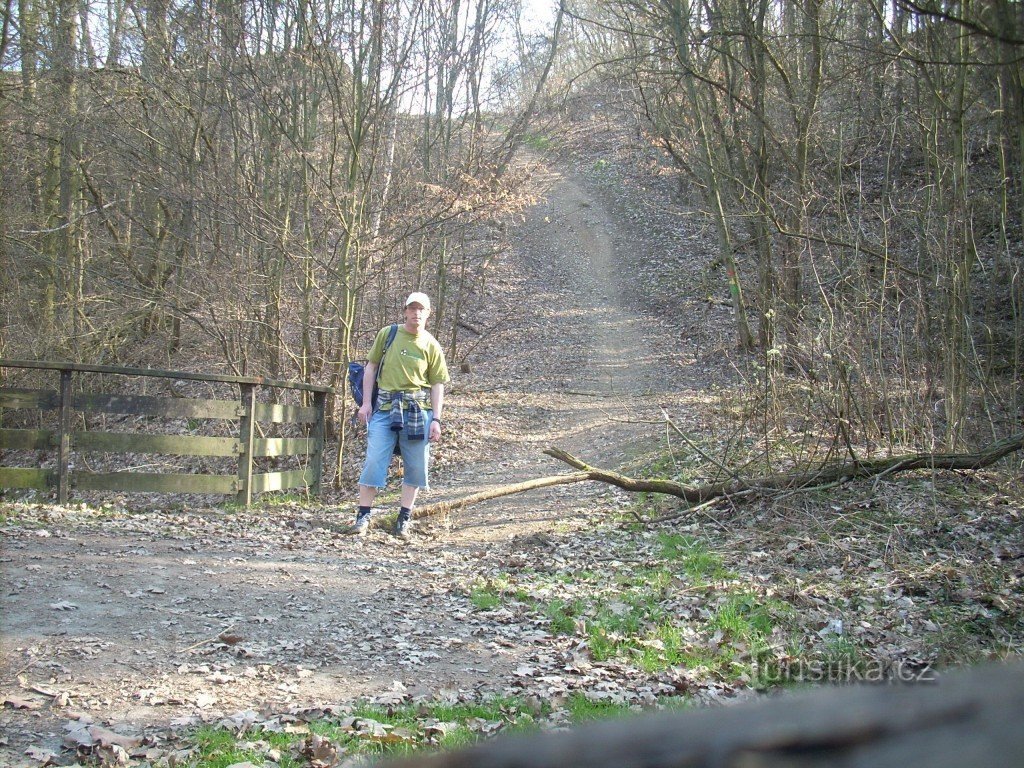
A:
(356, 369)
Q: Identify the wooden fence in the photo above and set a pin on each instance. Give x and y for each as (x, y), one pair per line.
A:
(247, 412)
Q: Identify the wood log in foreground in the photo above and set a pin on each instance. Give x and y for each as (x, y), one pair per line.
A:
(830, 473)
(968, 718)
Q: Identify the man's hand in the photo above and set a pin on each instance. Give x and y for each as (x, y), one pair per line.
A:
(435, 430)
(365, 412)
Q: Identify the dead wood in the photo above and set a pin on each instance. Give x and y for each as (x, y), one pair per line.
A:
(443, 507)
(969, 717)
(830, 473)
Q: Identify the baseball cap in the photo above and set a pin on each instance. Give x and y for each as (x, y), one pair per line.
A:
(418, 298)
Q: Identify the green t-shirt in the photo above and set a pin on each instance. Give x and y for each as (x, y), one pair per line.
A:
(413, 362)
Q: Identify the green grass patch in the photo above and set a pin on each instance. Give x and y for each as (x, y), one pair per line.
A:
(369, 730)
(693, 556)
(625, 616)
(500, 708)
(744, 616)
(584, 709)
(663, 647)
(625, 623)
(562, 615)
(631, 614)
(220, 747)
(484, 599)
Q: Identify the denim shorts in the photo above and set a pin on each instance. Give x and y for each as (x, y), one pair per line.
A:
(380, 446)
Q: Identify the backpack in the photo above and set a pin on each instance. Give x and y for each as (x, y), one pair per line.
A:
(356, 369)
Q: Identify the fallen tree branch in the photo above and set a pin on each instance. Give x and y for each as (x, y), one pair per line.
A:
(829, 474)
(832, 473)
(443, 507)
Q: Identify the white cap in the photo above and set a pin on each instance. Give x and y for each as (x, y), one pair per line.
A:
(418, 298)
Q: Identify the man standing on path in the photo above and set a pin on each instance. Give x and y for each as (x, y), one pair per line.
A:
(413, 373)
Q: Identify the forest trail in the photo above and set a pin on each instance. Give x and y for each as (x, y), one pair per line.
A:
(593, 377)
(120, 617)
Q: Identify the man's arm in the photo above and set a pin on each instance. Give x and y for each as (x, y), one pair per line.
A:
(436, 405)
(369, 377)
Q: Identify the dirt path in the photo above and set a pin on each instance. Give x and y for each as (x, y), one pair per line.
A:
(117, 616)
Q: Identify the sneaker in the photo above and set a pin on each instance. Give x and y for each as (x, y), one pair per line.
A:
(360, 526)
(403, 528)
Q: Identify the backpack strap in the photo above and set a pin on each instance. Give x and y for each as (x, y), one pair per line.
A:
(380, 366)
(387, 345)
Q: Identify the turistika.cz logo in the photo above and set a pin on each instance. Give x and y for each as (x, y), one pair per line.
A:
(775, 671)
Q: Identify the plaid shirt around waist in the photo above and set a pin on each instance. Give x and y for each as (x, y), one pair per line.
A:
(407, 411)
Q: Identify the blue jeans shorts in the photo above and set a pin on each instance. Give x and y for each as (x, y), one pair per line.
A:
(380, 446)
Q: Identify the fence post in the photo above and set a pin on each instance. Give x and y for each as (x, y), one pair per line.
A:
(246, 435)
(317, 463)
(64, 434)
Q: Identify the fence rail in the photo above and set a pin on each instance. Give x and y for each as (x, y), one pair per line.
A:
(246, 411)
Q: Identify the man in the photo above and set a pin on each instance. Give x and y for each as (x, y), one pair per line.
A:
(408, 411)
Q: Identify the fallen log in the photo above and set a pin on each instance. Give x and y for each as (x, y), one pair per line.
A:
(443, 507)
(970, 717)
(827, 474)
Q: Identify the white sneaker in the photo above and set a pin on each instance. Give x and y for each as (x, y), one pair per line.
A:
(360, 526)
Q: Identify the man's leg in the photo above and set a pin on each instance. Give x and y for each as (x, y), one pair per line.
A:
(416, 456)
(380, 442)
(408, 495)
(403, 526)
(367, 494)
